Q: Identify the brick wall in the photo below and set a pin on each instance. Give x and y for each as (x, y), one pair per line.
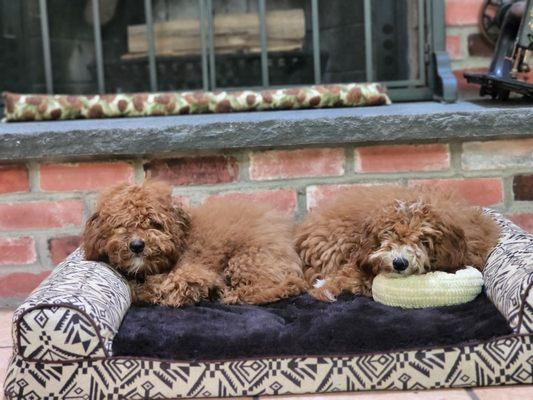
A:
(43, 205)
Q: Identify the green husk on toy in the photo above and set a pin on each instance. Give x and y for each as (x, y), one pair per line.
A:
(433, 289)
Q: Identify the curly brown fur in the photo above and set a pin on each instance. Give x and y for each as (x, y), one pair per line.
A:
(365, 231)
(240, 252)
(125, 213)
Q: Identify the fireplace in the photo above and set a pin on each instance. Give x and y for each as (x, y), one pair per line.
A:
(87, 46)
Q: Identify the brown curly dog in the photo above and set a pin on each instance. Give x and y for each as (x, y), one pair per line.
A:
(345, 243)
(240, 252)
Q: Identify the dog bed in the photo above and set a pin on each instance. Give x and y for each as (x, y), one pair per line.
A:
(36, 107)
(77, 336)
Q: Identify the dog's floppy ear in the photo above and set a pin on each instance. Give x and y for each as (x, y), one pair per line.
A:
(93, 239)
(369, 244)
(182, 224)
(450, 250)
(182, 216)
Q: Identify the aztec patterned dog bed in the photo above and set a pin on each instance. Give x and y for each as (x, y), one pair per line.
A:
(30, 107)
(76, 336)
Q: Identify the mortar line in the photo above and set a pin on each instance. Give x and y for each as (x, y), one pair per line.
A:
(503, 170)
(15, 268)
(508, 192)
(36, 231)
(34, 176)
(138, 170)
(88, 202)
(243, 161)
(349, 161)
(301, 202)
(455, 154)
(41, 196)
(41, 247)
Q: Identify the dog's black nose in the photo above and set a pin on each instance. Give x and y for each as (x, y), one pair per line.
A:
(137, 246)
(400, 264)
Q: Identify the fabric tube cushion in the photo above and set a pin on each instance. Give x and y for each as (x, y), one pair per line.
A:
(75, 313)
(35, 107)
(508, 275)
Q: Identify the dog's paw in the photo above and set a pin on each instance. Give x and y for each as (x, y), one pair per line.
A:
(142, 294)
(177, 292)
(148, 292)
(323, 292)
(228, 296)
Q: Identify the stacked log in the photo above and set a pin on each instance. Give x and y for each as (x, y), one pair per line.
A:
(232, 33)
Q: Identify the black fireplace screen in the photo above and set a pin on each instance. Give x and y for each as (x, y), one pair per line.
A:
(91, 46)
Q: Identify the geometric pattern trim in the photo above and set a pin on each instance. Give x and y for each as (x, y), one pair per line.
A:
(63, 333)
(78, 310)
(508, 275)
(504, 361)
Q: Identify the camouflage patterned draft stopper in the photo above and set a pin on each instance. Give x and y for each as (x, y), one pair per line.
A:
(35, 107)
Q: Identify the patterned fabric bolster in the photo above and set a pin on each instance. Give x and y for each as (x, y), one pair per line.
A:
(34, 107)
(75, 313)
(508, 275)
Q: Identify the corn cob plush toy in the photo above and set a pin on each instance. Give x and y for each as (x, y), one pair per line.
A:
(433, 289)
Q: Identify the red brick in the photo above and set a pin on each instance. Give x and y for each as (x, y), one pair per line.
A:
(84, 176)
(317, 194)
(194, 170)
(284, 164)
(402, 158)
(524, 220)
(453, 46)
(19, 284)
(498, 154)
(479, 46)
(40, 214)
(17, 250)
(523, 187)
(61, 247)
(462, 12)
(14, 178)
(478, 191)
(282, 199)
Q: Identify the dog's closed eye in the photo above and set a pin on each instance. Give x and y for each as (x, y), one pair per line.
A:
(156, 225)
(427, 242)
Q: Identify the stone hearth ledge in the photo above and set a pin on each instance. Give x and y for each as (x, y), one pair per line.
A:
(398, 123)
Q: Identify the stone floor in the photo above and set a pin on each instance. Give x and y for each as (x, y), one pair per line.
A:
(495, 393)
